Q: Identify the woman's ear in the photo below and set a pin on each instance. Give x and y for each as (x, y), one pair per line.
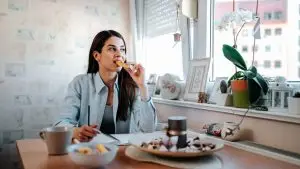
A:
(97, 55)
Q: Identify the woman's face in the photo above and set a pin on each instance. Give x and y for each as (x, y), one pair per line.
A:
(112, 51)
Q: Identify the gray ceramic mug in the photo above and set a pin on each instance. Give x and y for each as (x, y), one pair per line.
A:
(57, 139)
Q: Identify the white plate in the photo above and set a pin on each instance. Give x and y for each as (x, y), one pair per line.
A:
(137, 139)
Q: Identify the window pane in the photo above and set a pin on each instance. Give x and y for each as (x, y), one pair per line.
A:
(163, 57)
(276, 53)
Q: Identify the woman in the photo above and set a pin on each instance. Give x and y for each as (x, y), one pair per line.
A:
(109, 97)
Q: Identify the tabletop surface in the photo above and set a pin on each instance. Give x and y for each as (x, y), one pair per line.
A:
(34, 155)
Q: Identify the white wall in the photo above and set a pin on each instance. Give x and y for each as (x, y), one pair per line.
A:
(43, 45)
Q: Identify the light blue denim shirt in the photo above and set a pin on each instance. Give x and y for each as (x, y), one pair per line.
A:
(89, 90)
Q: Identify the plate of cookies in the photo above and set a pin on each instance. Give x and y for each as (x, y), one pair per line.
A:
(162, 145)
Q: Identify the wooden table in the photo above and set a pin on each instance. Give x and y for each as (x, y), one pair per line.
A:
(33, 153)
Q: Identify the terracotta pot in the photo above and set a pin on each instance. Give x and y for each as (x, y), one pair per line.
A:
(240, 93)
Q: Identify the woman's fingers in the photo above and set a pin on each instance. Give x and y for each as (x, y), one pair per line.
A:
(83, 138)
(87, 131)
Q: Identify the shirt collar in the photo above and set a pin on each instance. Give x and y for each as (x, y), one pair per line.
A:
(99, 84)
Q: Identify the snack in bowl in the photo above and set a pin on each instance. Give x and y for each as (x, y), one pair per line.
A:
(92, 154)
(100, 148)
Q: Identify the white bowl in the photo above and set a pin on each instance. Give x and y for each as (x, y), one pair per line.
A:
(93, 160)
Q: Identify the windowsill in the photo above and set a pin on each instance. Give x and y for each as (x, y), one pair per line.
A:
(272, 115)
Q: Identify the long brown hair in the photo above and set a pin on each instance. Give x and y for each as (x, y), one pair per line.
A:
(127, 86)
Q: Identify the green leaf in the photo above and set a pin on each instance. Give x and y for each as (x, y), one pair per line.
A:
(255, 91)
(234, 56)
(253, 69)
(262, 83)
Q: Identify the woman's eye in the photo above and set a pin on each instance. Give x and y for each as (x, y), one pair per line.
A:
(123, 50)
(112, 49)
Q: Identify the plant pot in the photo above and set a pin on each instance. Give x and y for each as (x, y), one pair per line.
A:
(240, 93)
(294, 105)
(230, 131)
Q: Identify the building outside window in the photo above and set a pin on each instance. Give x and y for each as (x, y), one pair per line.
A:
(278, 31)
(278, 15)
(245, 48)
(267, 16)
(268, 48)
(277, 64)
(255, 48)
(267, 32)
(267, 64)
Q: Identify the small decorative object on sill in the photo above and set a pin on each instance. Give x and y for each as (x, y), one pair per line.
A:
(213, 129)
(294, 103)
(171, 87)
(202, 98)
(230, 131)
(279, 93)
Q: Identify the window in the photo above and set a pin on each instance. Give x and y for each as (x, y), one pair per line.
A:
(278, 15)
(277, 64)
(245, 48)
(160, 24)
(267, 64)
(267, 32)
(267, 16)
(299, 24)
(299, 72)
(278, 31)
(268, 48)
(274, 51)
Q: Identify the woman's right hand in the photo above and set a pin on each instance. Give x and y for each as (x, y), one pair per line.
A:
(84, 133)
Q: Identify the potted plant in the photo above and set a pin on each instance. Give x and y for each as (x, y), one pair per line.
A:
(247, 85)
(294, 103)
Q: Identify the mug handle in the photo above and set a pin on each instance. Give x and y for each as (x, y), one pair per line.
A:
(42, 135)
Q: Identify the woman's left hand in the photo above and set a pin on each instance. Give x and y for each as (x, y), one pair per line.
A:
(137, 72)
